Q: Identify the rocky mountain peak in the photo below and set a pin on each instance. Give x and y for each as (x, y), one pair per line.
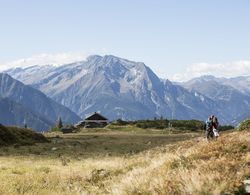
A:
(121, 88)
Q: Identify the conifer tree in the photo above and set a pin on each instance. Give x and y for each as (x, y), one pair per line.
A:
(25, 124)
(59, 123)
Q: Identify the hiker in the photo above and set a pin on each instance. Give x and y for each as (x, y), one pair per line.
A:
(215, 125)
(209, 128)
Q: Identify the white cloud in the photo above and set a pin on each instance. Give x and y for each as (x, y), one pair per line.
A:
(231, 69)
(45, 59)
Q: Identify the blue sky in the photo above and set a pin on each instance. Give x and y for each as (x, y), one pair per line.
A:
(177, 39)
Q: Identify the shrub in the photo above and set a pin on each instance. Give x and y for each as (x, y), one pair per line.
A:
(157, 124)
(226, 127)
(54, 129)
(192, 125)
(120, 122)
(245, 125)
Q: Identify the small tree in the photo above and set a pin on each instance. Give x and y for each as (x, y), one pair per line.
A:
(59, 123)
(25, 124)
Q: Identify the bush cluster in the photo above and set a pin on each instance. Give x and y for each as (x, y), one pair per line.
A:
(121, 122)
(192, 125)
(226, 127)
(156, 124)
(244, 126)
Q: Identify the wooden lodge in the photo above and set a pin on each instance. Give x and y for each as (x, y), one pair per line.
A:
(95, 120)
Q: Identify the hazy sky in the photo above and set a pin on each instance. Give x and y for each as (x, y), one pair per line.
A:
(177, 39)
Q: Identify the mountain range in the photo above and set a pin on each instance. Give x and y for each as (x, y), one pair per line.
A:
(21, 104)
(119, 88)
(232, 94)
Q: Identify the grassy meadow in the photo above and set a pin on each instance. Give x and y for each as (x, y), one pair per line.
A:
(127, 161)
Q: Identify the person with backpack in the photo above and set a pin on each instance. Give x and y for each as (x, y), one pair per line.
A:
(209, 128)
(215, 125)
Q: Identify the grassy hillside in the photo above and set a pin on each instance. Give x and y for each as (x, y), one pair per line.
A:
(78, 163)
(15, 135)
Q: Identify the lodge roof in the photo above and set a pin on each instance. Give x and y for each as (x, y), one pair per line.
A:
(96, 116)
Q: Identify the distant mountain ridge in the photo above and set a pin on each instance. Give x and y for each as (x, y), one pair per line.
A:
(34, 108)
(117, 87)
(241, 83)
(233, 95)
(12, 113)
(120, 88)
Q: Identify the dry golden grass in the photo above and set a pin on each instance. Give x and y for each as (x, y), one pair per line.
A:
(188, 167)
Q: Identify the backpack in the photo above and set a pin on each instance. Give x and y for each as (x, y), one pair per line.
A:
(215, 122)
(209, 124)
